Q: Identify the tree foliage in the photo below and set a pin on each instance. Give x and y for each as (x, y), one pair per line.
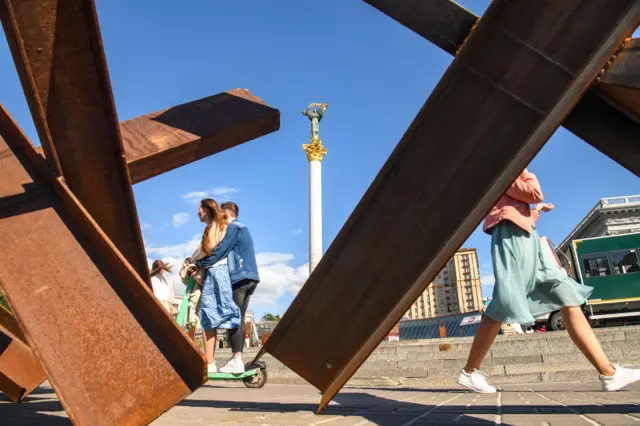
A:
(270, 317)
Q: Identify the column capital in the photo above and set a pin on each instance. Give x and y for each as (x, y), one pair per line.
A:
(315, 150)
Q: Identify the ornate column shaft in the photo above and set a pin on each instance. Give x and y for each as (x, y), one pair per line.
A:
(315, 153)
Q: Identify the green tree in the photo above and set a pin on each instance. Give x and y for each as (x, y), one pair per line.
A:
(270, 317)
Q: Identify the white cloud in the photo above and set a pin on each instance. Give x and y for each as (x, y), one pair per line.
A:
(219, 192)
(180, 251)
(144, 226)
(487, 279)
(195, 197)
(276, 279)
(223, 190)
(179, 219)
(298, 231)
(270, 258)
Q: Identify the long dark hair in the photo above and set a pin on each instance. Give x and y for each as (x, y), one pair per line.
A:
(217, 216)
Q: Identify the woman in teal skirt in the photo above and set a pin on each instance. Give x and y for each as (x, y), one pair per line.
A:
(529, 283)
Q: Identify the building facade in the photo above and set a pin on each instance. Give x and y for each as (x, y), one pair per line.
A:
(610, 216)
(456, 289)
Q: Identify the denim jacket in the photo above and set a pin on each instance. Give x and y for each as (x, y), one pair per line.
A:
(237, 247)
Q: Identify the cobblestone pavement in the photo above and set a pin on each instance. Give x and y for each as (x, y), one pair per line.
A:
(539, 405)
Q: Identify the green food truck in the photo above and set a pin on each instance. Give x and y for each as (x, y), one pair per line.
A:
(611, 265)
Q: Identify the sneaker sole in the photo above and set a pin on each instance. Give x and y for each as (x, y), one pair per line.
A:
(620, 387)
(476, 390)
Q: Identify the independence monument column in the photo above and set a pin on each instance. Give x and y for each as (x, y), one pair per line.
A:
(315, 153)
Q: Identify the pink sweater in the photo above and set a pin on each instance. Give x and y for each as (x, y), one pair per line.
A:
(514, 204)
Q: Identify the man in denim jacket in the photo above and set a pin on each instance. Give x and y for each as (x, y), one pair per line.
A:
(237, 247)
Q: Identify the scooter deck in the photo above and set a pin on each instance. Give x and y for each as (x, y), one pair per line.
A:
(229, 376)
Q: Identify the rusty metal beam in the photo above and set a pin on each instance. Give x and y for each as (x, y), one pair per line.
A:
(443, 22)
(514, 80)
(620, 84)
(9, 324)
(20, 372)
(447, 25)
(161, 141)
(609, 129)
(625, 99)
(624, 69)
(62, 67)
(158, 142)
(112, 353)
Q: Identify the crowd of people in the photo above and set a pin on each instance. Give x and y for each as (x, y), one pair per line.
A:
(528, 283)
(225, 272)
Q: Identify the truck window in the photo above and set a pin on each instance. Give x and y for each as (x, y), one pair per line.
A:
(596, 265)
(624, 261)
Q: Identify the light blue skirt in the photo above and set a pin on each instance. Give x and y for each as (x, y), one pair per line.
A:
(217, 308)
(528, 281)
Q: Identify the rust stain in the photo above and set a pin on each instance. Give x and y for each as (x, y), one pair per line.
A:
(445, 347)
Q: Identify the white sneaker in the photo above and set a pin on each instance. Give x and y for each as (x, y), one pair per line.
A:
(234, 366)
(475, 381)
(212, 368)
(621, 378)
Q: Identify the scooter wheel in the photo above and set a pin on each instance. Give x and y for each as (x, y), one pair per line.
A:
(260, 379)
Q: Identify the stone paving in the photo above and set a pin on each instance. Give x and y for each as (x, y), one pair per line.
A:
(527, 405)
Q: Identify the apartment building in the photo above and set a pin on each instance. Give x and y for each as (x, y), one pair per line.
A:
(456, 289)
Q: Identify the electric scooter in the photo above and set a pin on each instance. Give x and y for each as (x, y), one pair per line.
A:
(255, 375)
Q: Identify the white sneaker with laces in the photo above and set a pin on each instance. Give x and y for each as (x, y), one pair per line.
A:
(234, 366)
(212, 368)
(622, 377)
(475, 381)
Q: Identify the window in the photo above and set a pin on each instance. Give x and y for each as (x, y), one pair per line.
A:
(596, 265)
(624, 261)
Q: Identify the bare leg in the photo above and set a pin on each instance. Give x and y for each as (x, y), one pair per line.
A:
(211, 336)
(485, 336)
(584, 338)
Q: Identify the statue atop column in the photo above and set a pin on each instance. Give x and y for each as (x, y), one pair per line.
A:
(315, 150)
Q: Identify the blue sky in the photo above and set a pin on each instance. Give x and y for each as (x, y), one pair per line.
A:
(374, 74)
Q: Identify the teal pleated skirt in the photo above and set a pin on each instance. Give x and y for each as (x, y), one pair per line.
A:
(529, 283)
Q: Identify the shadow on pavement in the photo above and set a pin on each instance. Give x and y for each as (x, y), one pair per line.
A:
(32, 411)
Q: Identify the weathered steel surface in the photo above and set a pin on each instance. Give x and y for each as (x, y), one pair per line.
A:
(513, 81)
(447, 25)
(624, 98)
(625, 69)
(20, 372)
(442, 22)
(164, 140)
(609, 129)
(9, 323)
(58, 49)
(112, 353)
